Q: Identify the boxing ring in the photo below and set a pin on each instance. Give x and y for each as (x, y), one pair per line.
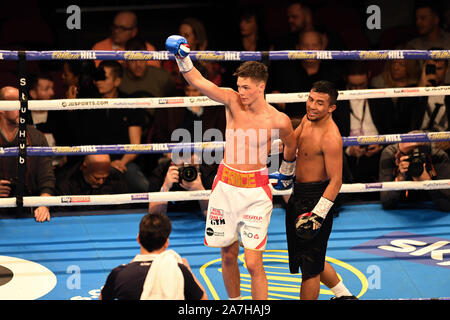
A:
(396, 254)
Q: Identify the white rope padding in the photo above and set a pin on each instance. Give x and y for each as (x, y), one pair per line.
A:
(165, 102)
(127, 198)
(177, 102)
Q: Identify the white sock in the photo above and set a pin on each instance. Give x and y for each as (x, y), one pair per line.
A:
(236, 298)
(340, 290)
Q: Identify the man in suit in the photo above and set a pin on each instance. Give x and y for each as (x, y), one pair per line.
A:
(430, 113)
(363, 117)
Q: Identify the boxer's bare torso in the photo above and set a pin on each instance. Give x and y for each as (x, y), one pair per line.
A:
(249, 134)
(252, 123)
(311, 140)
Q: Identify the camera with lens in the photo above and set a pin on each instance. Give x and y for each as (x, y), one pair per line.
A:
(419, 157)
(187, 173)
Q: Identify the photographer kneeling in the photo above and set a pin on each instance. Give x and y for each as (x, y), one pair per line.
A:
(176, 175)
(413, 161)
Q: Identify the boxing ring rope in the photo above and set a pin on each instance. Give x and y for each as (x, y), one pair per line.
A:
(229, 55)
(166, 102)
(203, 101)
(130, 198)
(210, 146)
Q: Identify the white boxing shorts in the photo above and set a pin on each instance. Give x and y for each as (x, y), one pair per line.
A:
(240, 204)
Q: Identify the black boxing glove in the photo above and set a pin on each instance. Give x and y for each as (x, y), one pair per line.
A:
(307, 225)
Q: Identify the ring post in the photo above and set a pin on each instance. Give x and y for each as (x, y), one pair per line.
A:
(22, 156)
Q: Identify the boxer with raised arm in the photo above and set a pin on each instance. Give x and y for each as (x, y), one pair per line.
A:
(318, 175)
(240, 203)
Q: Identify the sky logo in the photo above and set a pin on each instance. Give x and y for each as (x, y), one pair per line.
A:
(411, 247)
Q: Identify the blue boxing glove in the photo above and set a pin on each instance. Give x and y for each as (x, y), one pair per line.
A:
(179, 47)
(285, 176)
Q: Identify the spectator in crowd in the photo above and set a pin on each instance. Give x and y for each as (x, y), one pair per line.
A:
(40, 178)
(304, 34)
(156, 273)
(414, 161)
(70, 77)
(298, 76)
(428, 24)
(363, 117)
(93, 175)
(252, 36)
(117, 126)
(397, 74)
(78, 79)
(69, 125)
(142, 80)
(41, 88)
(195, 33)
(252, 31)
(167, 177)
(141, 77)
(299, 19)
(430, 113)
(124, 28)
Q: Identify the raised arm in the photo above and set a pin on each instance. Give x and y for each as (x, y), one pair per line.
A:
(178, 46)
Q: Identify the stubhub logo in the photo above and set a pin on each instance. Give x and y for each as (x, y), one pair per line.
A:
(411, 247)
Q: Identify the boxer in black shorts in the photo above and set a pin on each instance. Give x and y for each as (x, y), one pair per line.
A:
(318, 180)
(309, 255)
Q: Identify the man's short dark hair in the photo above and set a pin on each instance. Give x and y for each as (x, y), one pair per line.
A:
(135, 44)
(253, 69)
(35, 79)
(114, 65)
(327, 87)
(434, 6)
(357, 68)
(154, 230)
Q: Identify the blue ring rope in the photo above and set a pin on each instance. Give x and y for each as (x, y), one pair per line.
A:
(209, 146)
(230, 55)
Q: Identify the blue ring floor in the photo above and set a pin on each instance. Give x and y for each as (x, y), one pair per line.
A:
(397, 254)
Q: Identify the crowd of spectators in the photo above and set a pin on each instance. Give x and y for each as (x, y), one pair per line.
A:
(110, 174)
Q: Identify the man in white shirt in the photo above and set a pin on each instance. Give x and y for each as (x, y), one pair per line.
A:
(432, 113)
(42, 89)
(363, 117)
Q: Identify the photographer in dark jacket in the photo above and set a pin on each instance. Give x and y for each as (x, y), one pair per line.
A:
(174, 175)
(414, 162)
